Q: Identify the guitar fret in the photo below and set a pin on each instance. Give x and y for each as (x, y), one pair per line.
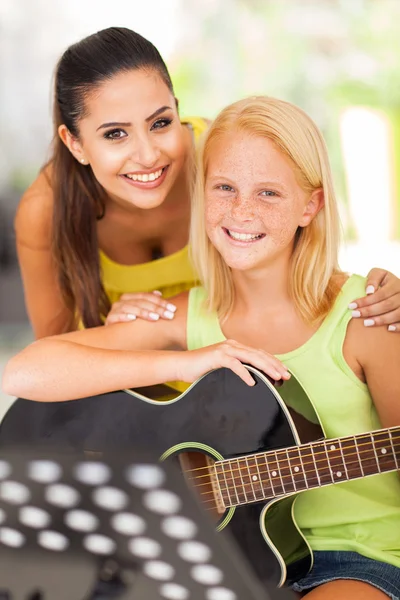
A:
(272, 468)
(255, 477)
(366, 454)
(237, 501)
(290, 470)
(247, 483)
(343, 459)
(322, 467)
(335, 461)
(250, 478)
(225, 493)
(240, 489)
(296, 469)
(266, 482)
(279, 472)
(393, 448)
(351, 458)
(304, 470)
(384, 451)
(374, 449)
(358, 456)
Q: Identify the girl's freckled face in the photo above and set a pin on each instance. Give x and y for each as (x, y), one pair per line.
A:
(253, 201)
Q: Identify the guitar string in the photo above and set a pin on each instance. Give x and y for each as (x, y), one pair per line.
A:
(241, 469)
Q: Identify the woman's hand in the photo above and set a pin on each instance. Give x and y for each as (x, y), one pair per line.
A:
(147, 305)
(381, 305)
(230, 354)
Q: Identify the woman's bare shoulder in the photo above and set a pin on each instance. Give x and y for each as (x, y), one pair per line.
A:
(33, 219)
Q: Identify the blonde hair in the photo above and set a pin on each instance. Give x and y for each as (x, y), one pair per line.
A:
(314, 261)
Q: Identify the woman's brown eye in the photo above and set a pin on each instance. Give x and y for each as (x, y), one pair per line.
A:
(115, 134)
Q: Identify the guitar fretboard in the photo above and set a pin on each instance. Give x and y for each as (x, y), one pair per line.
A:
(267, 475)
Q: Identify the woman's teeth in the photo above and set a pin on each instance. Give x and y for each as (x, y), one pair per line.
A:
(244, 237)
(145, 176)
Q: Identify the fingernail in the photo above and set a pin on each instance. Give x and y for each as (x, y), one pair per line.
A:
(369, 322)
(171, 307)
(157, 292)
(392, 328)
(370, 289)
(356, 313)
(154, 316)
(352, 305)
(168, 314)
(131, 317)
(287, 374)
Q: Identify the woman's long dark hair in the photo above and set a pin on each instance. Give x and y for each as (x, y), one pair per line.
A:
(79, 199)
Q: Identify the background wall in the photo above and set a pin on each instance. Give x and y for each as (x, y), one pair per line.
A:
(338, 59)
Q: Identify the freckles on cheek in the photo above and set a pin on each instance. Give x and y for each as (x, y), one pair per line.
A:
(213, 212)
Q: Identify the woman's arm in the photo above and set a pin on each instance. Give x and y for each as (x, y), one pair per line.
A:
(103, 359)
(47, 311)
(375, 357)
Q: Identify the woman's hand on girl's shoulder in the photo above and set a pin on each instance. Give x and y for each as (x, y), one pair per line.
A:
(381, 305)
(150, 306)
(232, 355)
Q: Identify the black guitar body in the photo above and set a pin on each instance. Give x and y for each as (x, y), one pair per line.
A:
(219, 416)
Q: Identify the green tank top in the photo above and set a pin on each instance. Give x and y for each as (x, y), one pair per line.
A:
(362, 515)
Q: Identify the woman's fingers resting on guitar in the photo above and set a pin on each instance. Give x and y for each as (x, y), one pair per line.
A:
(147, 305)
(230, 354)
(381, 305)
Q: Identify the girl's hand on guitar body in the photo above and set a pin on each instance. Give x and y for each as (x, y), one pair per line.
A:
(147, 305)
(230, 354)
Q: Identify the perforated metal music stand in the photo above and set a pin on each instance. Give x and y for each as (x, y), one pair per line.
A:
(74, 528)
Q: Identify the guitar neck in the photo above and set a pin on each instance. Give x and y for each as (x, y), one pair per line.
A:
(267, 475)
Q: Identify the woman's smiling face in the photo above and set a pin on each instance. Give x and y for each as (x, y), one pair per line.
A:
(253, 201)
(132, 138)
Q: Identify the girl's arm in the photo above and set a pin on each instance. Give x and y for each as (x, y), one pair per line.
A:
(104, 359)
(374, 355)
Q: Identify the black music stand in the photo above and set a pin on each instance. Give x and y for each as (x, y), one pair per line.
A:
(74, 528)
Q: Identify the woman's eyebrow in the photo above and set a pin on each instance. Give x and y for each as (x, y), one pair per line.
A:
(118, 124)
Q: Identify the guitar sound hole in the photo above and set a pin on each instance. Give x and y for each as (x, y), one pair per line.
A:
(199, 474)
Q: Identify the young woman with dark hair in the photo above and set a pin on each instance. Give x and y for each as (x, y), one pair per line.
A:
(102, 233)
(109, 213)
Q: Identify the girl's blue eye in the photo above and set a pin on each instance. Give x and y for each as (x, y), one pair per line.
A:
(268, 193)
(115, 134)
(225, 188)
(161, 123)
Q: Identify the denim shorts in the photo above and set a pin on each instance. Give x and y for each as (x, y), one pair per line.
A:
(331, 565)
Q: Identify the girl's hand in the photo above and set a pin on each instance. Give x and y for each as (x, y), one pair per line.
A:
(381, 306)
(147, 305)
(230, 354)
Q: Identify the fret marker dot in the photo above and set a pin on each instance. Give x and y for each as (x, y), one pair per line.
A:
(274, 473)
(255, 477)
(296, 469)
(333, 447)
(383, 450)
(339, 473)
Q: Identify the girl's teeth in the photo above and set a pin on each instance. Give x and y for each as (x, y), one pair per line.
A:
(244, 236)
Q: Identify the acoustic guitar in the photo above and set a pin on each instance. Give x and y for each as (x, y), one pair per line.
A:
(246, 454)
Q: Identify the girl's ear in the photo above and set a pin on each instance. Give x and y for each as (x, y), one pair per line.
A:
(72, 144)
(313, 206)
